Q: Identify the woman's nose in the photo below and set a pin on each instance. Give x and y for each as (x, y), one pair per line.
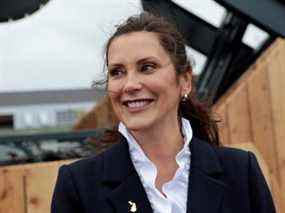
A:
(133, 83)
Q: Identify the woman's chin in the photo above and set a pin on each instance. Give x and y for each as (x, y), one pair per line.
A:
(137, 124)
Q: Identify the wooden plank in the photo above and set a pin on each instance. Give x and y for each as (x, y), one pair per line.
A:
(12, 198)
(261, 117)
(222, 118)
(239, 117)
(277, 195)
(28, 188)
(40, 185)
(25, 167)
(276, 76)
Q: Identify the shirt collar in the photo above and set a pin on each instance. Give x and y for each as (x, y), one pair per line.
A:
(137, 151)
(186, 131)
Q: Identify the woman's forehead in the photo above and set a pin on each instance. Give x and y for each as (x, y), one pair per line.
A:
(135, 46)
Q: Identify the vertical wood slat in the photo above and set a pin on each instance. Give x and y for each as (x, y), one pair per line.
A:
(221, 116)
(239, 116)
(28, 188)
(12, 198)
(277, 195)
(261, 117)
(277, 81)
(39, 187)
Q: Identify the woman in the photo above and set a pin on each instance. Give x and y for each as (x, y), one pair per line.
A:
(168, 157)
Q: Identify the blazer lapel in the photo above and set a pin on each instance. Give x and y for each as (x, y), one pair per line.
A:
(127, 194)
(130, 196)
(205, 189)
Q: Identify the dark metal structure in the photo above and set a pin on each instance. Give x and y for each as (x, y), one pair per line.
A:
(267, 14)
(17, 9)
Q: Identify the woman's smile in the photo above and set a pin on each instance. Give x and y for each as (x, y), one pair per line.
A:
(137, 105)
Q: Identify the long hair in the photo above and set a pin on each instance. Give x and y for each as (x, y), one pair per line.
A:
(199, 115)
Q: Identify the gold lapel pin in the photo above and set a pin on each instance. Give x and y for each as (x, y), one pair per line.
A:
(132, 206)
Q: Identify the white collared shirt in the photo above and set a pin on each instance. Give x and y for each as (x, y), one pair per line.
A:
(175, 190)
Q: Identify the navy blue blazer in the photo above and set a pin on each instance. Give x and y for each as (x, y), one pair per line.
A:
(221, 180)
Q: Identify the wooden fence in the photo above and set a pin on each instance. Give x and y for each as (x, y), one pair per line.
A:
(253, 110)
(27, 188)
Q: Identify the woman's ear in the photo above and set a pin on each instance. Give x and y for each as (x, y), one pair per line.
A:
(185, 80)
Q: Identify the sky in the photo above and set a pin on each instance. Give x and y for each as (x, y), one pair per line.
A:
(61, 46)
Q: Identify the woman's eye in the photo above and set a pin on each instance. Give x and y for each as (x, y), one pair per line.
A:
(147, 67)
(116, 72)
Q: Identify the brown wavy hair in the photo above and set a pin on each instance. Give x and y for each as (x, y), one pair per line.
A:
(199, 115)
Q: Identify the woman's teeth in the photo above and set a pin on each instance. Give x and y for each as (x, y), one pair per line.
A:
(137, 104)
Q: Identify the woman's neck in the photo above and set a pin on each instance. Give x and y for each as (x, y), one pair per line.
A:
(163, 141)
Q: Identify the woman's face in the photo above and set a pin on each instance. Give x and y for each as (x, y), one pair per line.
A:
(142, 83)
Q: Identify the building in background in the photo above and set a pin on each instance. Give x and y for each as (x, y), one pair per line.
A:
(45, 109)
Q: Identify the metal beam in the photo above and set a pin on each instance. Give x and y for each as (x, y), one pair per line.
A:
(199, 34)
(225, 50)
(17, 9)
(267, 14)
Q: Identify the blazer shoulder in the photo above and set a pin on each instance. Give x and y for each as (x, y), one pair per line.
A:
(79, 184)
(244, 165)
(234, 160)
(225, 156)
(232, 154)
(93, 165)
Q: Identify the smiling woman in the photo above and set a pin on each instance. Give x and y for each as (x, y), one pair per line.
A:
(167, 158)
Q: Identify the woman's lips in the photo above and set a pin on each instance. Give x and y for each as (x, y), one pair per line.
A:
(137, 105)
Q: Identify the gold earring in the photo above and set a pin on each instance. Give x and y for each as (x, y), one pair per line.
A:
(185, 97)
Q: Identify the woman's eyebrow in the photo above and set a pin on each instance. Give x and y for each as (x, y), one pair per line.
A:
(119, 64)
(151, 58)
(115, 65)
